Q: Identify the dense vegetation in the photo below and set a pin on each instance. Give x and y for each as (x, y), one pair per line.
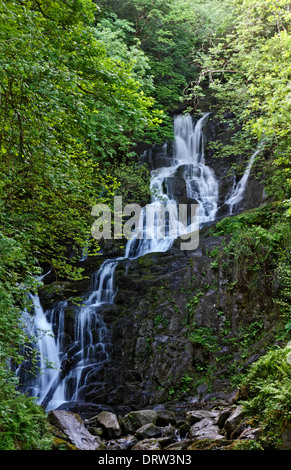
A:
(83, 84)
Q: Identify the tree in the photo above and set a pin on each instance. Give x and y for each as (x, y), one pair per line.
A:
(248, 71)
(69, 111)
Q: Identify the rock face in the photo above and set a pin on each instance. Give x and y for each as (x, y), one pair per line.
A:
(177, 315)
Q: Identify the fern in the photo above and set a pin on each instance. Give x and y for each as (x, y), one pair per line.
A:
(267, 392)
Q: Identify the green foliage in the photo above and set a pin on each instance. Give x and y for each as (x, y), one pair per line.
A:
(192, 303)
(259, 238)
(183, 387)
(134, 183)
(204, 336)
(167, 31)
(266, 392)
(23, 424)
(74, 97)
(16, 279)
(69, 108)
(259, 250)
(247, 70)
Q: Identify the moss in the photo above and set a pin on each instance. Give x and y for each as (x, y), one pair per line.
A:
(62, 444)
(244, 445)
(145, 261)
(210, 444)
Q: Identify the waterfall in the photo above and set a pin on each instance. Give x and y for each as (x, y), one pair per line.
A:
(238, 189)
(48, 350)
(91, 347)
(201, 182)
(201, 186)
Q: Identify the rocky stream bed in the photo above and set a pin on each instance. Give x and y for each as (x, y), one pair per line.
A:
(217, 425)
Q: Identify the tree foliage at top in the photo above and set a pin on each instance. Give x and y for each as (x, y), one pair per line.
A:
(167, 31)
(248, 70)
(69, 111)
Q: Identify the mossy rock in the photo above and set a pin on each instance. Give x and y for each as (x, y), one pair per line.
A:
(239, 444)
(62, 444)
(210, 444)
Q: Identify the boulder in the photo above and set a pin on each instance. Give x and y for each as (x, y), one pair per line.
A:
(251, 434)
(95, 431)
(224, 415)
(165, 417)
(147, 431)
(234, 420)
(123, 443)
(74, 429)
(136, 419)
(195, 416)
(170, 432)
(147, 444)
(180, 445)
(109, 423)
(183, 429)
(164, 441)
(205, 429)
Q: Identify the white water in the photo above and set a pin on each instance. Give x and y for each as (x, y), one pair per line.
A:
(238, 189)
(91, 337)
(201, 185)
(201, 182)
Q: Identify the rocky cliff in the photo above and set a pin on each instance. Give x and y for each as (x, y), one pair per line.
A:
(184, 323)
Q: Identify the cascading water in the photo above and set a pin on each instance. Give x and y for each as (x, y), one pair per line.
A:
(238, 189)
(201, 183)
(92, 345)
(201, 186)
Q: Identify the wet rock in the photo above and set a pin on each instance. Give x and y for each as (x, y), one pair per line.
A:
(205, 429)
(123, 443)
(183, 429)
(165, 441)
(95, 431)
(165, 417)
(74, 429)
(147, 444)
(239, 430)
(136, 419)
(195, 416)
(170, 432)
(224, 415)
(109, 423)
(180, 445)
(234, 420)
(148, 431)
(251, 434)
